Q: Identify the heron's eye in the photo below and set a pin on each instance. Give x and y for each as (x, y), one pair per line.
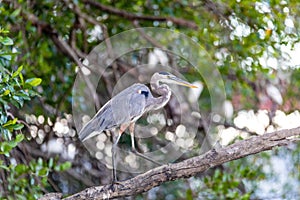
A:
(146, 93)
(164, 73)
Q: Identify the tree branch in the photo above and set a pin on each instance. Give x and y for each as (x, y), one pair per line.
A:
(187, 168)
(220, 11)
(64, 47)
(131, 16)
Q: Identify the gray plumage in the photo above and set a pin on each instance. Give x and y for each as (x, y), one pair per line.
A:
(130, 104)
(127, 106)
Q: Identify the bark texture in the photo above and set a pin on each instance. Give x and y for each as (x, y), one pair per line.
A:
(186, 168)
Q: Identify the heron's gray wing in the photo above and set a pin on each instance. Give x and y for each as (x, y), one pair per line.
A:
(123, 108)
(100, 122)
(129, 104)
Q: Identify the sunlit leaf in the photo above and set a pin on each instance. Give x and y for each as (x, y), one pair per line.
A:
(22, 79)
(34, 81)
(43, 172)
(21, 168)
(63, 166)
(20, 137)
(5, 148)
(10, 122)
(16, 73)
(6, 92)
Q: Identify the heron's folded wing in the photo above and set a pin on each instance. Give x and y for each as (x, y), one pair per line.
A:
(102, 121)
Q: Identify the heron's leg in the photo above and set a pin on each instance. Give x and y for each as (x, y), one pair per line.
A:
(113, 151)
(131, 130)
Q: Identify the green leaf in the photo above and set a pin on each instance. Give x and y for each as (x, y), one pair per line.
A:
(13, 143)
(66, 165)
(63, 166)
(5, 148)
(189, 194)
(22, 79)
(16, 73)
(19, 137)
(33, 93)
(16, 12)
(50, 164)
(3, 102)
(3, 31)
(3, 118)
(40, 161)
(21, 168)
(10, 122)
(15, 103)
(19, 100)
(18, 126)
(33, 81)
(6, 92)
(6, 57)
(23, 94)
(43, 172)
(6, 41)
(6, 134)
(3, 166)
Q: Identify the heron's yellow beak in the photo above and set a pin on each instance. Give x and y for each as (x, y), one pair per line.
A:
(182, 82)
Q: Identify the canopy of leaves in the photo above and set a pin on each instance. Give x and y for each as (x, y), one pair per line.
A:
(252, 43)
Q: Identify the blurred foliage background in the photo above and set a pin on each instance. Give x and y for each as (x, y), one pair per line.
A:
(254, 44)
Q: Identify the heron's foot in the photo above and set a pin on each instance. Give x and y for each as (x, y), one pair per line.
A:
(117, 182)
(111, 187)
(114, 184)
(145, 157)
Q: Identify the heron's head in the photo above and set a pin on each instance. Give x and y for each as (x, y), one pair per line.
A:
(166, 77)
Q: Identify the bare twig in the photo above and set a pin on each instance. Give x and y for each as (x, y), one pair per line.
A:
(110, 52)
(77, 10)
(131, 16)
(63, 46)
(220, 11)
(147, 37)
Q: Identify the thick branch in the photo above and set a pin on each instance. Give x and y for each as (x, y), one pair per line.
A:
(131, 16)
(189, 167)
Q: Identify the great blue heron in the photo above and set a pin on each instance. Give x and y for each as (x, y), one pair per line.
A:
(124, 109)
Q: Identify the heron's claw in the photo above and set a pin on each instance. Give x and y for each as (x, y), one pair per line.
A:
(113, 184)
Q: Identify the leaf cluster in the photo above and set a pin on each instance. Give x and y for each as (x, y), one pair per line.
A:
(18, 180)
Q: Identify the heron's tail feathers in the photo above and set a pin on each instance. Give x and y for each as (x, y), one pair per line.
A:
(87, 131)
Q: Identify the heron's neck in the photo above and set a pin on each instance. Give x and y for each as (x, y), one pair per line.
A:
(165, 94)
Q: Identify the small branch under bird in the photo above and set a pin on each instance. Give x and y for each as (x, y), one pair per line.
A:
(124, 109)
